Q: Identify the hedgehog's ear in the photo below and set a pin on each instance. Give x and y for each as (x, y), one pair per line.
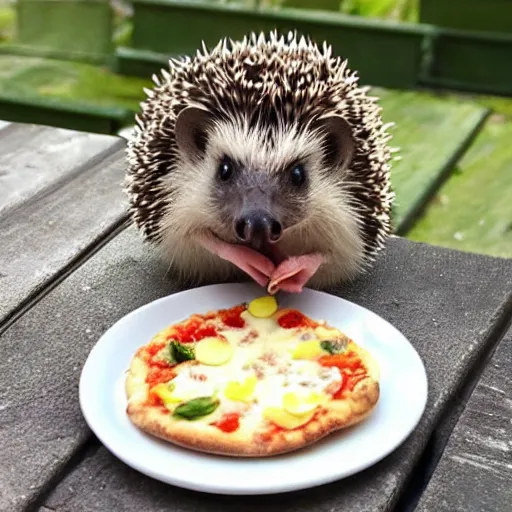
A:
(191, 131)
(339, 143)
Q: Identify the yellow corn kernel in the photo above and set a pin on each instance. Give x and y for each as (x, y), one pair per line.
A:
(300, 404)
(263, 307)
(308, 350)
(213, 351)
(326, 334)
(286, 420)
(165, 394)
(241, 392)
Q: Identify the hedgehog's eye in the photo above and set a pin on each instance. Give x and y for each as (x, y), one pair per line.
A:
(298, 175)
(226, 169)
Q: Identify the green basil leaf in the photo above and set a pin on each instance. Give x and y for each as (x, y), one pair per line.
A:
(177, 353)
(181, 352)
(197, 407)
(334, 346)
(169, 356)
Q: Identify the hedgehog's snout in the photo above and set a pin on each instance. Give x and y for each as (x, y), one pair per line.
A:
(258, 228)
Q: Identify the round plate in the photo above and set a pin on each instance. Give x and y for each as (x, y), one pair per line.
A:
(402, 401)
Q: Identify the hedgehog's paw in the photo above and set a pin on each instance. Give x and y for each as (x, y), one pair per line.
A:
(257, 266)
(293, 273)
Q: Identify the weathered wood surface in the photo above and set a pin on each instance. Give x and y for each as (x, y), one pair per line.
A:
(475, 471)
(37, 158)
(60, 192)
(473, 211)
(432, 134)
(435, 305)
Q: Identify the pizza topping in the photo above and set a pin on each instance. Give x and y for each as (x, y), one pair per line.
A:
(347, 360)
(334, 387)
(196, 408)
(293, 319)
(231, 317)
(325, 333)
(241, 391)
(299, 404)
(286, 420)
(228, 423)
(184, 333)
(269, 357)
(348, 384)
(259, 369)
(164, 392)
(334, 346)
(154, 348)
(157, 375)
(194, 329)
(178, 352)
(263, 307)
(201, 377)
(186, 385)
(249, 338)
(294, 408)
(214, 351)
(311, 349)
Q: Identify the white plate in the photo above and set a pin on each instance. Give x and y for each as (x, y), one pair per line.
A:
(400, 407)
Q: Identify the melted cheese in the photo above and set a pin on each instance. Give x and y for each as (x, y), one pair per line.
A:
(269, 359)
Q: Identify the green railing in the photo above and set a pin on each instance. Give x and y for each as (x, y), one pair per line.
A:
(390, 54)
(468, 52)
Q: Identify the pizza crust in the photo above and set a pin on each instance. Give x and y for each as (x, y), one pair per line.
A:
(334, 416)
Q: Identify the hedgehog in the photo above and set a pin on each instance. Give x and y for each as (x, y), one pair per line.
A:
(262, 159)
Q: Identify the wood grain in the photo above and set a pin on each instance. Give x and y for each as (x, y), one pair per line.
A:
(37, 158)
(475, 471)
(61, 192)
(433, 304)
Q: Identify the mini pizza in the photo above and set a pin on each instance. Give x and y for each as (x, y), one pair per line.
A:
(255, 380)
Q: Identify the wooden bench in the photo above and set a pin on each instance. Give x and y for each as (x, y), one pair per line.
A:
(475, 470)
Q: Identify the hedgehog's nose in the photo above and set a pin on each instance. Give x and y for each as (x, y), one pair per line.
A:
(257, 228)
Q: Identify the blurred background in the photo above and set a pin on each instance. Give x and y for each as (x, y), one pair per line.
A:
(443, 70)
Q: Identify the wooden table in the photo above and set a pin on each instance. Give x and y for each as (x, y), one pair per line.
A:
(70, 266)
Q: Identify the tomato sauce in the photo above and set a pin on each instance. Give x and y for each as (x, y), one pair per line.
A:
(157, 375)
(155, 401)
(231, 317)
(159, 363)
(205, 332)
(193, 330)
(294, 319)
(351, 368)
(185, 333)
(154, 348)
(228, 423)
(348, 360)
(349, 382)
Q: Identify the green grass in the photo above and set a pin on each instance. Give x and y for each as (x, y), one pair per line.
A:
(473, 211)
(68, 81)
(398, 10)
(501, 106)
(7, 23)
(429, 131)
